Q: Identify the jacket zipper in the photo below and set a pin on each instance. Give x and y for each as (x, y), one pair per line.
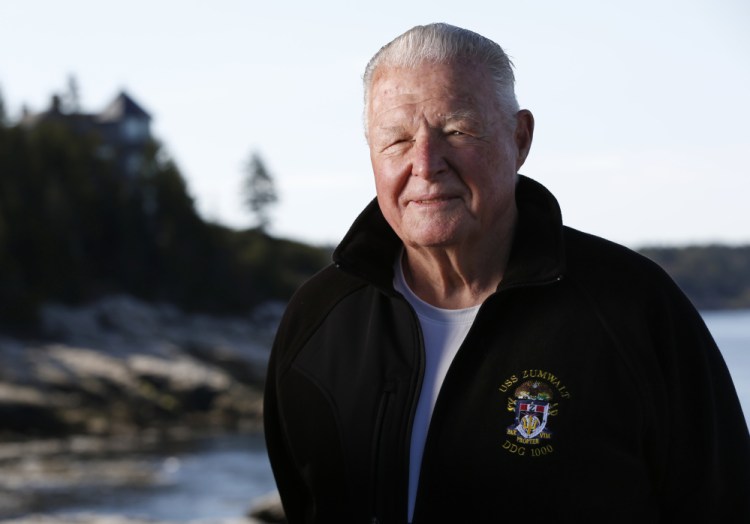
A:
(413, 398)
(389, 390)
(421, 357)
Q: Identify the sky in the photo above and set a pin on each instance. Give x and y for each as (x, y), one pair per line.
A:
(642, 108)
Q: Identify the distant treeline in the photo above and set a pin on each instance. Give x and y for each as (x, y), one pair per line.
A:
(74, 227)
(713, 276)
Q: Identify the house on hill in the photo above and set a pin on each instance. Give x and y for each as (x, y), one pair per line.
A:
(123, 129)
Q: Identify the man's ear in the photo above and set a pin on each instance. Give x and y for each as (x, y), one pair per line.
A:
(523, 135)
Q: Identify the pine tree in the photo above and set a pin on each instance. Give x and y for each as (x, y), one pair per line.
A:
(71, 98)
(3, 111)
(259, 191)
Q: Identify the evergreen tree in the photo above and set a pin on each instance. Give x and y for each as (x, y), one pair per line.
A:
(259, 191)
(71, 98)
(3, 110)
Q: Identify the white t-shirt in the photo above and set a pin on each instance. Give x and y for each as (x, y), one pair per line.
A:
(443, 330)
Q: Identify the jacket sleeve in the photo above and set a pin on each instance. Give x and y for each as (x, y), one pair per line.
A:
(304, 313)
(292, 489)
(706, 470)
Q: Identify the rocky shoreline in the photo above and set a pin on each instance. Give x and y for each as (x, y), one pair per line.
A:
(118, 375)
(120, 366)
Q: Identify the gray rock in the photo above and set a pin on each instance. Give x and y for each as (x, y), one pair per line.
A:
(120, 365)
(268, 509)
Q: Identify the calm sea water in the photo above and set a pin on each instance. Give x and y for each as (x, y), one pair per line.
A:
(218, 478)
(211, 478)
(731, 330)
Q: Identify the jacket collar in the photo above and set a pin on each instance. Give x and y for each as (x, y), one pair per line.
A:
(538, 251)
(537, 254)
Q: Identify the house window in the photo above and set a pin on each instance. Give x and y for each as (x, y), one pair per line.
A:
(135, 130)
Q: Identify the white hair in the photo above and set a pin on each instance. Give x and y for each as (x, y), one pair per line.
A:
(444, 44)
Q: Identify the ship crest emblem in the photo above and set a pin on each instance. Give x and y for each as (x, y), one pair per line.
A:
(531, 417)
(533, 404)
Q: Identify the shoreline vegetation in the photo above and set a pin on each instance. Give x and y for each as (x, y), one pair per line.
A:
(78, 224)
(714, 276)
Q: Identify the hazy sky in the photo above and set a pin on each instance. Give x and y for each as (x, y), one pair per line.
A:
(642, 107)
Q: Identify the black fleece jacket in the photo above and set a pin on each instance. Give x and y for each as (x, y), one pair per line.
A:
(587, 390)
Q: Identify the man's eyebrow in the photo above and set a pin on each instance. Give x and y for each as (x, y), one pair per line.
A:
(462, 114)
(391, 130)
(391, 127)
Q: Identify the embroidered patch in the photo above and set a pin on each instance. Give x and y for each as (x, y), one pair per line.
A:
(531, 403)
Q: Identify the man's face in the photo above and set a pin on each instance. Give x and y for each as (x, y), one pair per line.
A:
(444, 159)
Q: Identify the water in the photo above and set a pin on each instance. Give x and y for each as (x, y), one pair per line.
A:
(731, 330)
(219, 477)
(212, 478)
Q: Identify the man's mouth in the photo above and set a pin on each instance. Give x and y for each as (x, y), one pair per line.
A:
(432, 200)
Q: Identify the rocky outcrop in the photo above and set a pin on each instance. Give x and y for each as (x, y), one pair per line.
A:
(268, 509)
(103, 382)
(121, 366)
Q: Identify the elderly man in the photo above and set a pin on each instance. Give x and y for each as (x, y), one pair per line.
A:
(468, 358)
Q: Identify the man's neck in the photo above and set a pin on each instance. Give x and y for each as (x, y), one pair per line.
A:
(457, 277)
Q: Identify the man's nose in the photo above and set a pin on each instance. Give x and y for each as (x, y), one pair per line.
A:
(428, 155)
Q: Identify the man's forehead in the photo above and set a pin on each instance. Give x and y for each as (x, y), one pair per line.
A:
(434, 109)
(393, 109)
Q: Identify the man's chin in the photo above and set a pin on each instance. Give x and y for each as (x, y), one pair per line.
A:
(440, 239)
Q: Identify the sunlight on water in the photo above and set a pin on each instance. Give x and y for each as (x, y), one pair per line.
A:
(731, 330)
(215, 478)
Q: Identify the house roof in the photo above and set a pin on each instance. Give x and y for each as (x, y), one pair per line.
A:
(121, 107)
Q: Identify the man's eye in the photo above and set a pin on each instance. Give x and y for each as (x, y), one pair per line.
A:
(400, 141)
(395, 144)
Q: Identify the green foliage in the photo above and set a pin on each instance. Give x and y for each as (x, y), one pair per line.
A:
(713, 276)
(74, 228)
